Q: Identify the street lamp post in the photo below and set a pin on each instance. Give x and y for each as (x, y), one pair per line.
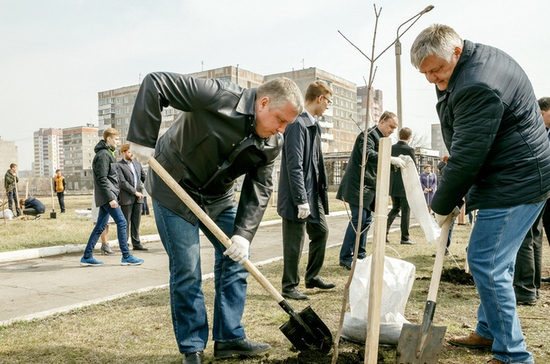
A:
(398, 61)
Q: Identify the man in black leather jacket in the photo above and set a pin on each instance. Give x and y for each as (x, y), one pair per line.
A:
(225, 131)
(499, 158)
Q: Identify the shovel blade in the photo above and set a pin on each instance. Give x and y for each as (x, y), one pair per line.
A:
(309, 334)
(407, 346)
(53, 215)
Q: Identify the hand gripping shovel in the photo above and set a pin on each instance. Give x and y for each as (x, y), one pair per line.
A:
(305, 330)
(422, 343)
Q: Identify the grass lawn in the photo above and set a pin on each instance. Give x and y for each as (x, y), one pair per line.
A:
(138, 328)
(67, 228)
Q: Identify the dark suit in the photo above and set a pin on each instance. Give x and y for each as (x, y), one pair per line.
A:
(397, 190)
(303, 180)
(129, 203)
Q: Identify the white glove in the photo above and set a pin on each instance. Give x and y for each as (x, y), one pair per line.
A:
(238, 251)
(303, 211)
(141, 152)
(398, 162)
(440, 219)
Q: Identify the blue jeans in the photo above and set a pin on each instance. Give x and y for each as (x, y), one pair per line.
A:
(494, 243)
(102, 220)
(13, 200)
(348, 245)
(182, 244)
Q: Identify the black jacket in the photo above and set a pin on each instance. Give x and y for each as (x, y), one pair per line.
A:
(105, 168)
(397, 189)
(492, 126)
(348, 190)
(303, 176)
(208, 147)
(33, 203)
(126, 181)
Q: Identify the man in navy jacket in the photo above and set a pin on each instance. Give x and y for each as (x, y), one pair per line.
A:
(499, 158)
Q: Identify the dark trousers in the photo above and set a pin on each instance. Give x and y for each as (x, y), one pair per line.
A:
(528, 268)
(61, 199)
(400, 203)
(32, 212)
(12, 201)
(546, 220)
(145, 208)
(132, 214)
(293, 242)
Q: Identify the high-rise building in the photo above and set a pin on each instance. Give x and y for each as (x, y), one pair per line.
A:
(338, 124)
(376, 105)
(114, 109)
(8, 155)
(78, 149)
(48, 152)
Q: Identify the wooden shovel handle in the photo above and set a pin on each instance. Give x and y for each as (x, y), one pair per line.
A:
(439, 258)
(211, 225)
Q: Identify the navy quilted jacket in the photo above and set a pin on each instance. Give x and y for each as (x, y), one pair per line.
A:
(492, 126)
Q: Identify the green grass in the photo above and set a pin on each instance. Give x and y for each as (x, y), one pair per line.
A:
(67, 228)
(138, 328)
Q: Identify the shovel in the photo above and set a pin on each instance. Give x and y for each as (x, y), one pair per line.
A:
(305, 330)
(53, 214)
(421, 344)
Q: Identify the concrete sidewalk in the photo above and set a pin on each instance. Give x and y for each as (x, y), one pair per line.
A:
(51, 280)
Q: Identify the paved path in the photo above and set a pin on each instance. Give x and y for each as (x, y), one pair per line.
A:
(40, 287)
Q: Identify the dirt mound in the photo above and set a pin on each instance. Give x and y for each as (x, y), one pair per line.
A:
(457, 276)
(314, 357)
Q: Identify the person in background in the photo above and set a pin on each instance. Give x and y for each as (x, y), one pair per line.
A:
(106, 189)
(302, 195)
(544, 104)
(224, 132)
(10, 184)
(348, 191)
(528, 268)
(428, 181)
(145, 209)
(499, 159)
(60, 184)
(131, 176)
(397, 188)
(33, 207)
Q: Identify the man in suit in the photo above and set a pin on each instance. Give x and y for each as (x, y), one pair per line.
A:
(131, 175)
(303, 200)
(349, 187)
(397, 189)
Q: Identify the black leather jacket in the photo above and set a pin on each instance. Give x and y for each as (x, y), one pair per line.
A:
(208, 147)
(492, 126)
(348, 190)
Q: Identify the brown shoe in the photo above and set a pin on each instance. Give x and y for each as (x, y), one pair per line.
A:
(472, 341)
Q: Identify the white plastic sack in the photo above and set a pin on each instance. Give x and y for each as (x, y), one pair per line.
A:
(7, 213)
(398, 281)
(397, 285)
(416, 200)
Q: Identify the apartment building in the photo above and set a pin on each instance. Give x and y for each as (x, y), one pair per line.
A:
(48, 151)
(8, 155)
(78, 149)
(375, 102)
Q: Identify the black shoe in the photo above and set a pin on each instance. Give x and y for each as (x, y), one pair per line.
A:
(139, 247)
(545, 279)
(193, 358)
(319, 283)
(295, 295)
(446, 253)
(407, 242)
(345, 265)
(241, 347)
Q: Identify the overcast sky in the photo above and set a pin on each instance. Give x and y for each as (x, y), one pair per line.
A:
(55, 56)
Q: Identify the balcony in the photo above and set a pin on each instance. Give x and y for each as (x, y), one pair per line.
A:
(327, 136)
